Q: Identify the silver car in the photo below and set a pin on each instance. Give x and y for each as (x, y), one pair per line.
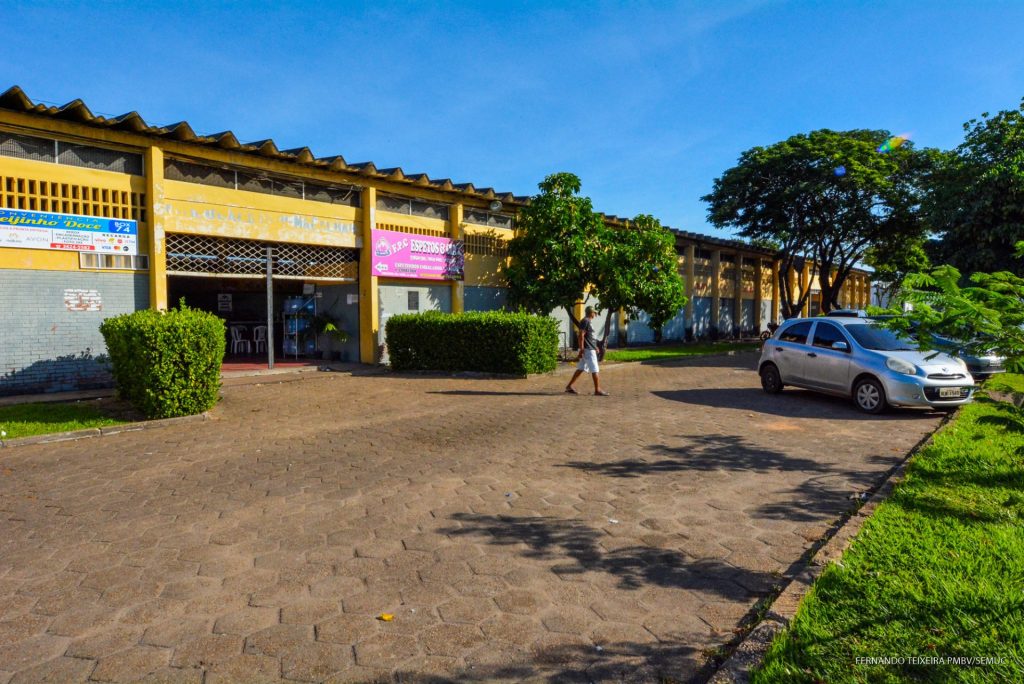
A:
(854, 357)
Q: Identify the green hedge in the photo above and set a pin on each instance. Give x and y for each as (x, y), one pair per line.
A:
(490, 342)
(166, 364)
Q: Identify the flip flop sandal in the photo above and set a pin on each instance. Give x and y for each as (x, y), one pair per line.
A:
(602, 393)
(571, 390)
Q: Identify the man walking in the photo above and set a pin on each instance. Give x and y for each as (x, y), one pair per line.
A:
(588, 355)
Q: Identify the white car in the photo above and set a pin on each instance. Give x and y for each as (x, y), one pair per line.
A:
(854, 357)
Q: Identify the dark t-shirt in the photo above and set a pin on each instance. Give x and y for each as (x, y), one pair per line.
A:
(587, 332)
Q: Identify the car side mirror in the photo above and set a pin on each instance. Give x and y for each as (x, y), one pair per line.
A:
(841, 346)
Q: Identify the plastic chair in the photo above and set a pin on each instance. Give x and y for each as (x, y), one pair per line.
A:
(259, 338)
(238, 340)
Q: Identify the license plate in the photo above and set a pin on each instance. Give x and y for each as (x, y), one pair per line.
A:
(949, 392)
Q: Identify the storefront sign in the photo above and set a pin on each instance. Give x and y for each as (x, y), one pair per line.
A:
(45, 230)
(224, 302)
(404, 255)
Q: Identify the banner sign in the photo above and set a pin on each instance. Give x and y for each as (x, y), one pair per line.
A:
(405, 255)
(44, 230)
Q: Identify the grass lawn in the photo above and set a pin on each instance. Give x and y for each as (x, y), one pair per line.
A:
(25, 420)
(937, 571)
(674, 350)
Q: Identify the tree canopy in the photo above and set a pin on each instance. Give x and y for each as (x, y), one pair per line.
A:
(563, 249)
(976, 199)
(827, 195)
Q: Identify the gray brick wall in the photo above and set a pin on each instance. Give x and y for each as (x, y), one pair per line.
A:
(44, 346)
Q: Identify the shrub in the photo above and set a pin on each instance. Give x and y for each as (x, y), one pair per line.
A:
(166, 363)
(491, 342)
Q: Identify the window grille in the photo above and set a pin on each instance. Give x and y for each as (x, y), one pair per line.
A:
(175, 169)
(26, 147)
(91, 157)
(486, 245)
(205, 255)
(412, 207)
(418, 230)
(117, 262)
(268, 184)
(487, 218)
(69, 154)
(30, 194)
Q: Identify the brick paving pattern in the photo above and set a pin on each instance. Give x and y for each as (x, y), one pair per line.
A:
(514, 532)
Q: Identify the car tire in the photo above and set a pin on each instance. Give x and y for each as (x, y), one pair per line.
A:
(771, 381)
(869, 396)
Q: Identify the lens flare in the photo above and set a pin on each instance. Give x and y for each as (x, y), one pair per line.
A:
(894, 142)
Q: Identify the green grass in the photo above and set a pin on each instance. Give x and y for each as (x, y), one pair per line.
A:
(674, 351)
(26, 420)
(938, 570)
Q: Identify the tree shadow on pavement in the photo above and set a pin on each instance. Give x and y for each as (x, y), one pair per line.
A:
(789, 404)
(610, 662)
(575, 548)
(703, 452)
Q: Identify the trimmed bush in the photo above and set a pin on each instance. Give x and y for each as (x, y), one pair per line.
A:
(489, 342)
(166, 364)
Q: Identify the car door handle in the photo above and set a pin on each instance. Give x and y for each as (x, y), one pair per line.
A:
(812, 355)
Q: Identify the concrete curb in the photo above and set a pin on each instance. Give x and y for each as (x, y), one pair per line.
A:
(103, 431)
(749, 653)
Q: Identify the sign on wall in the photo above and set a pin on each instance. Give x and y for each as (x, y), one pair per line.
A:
(224, 302)
(68, 232)
(425, 257)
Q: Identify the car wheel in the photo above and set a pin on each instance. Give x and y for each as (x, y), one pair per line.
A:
(869, 396)
(771, 381)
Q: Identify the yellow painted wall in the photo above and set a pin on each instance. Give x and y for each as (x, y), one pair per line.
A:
(47, 175)
(225, 212)
(485, 269)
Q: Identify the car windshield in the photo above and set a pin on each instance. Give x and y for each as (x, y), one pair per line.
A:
(879, 339)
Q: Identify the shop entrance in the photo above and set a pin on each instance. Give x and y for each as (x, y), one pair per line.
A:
(275, 298)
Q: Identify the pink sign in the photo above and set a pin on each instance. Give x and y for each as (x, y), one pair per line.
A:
(405, 255)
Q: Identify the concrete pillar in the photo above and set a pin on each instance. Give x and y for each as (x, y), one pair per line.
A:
(716, 292)
(792, 277)
(737, 302)
(369, 294)
(805, 285)
(758, 295)
(691, 256)
(455, 227)
(776, 314)
(154, 161)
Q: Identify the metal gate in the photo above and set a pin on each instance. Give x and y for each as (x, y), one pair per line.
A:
(205, 255)
(217, 257)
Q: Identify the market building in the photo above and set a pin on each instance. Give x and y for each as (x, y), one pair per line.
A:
(102, 216)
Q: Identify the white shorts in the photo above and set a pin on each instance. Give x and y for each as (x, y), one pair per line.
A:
(588, 364)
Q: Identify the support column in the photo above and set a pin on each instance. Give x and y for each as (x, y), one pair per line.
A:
(369, 294)
(775, 315)
(154, 160)
(716, 292)
(805, 285)
(458, 286)
(691, 256)
(793, 278)
(758, 295)
(737, 302)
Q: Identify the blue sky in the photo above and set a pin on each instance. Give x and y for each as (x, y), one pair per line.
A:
(646, 102)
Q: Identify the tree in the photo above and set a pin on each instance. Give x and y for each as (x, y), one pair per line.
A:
(640, 272)
(893, 261)
(976, 197)
(986, 315)
(825, 195)
(559, 240)
(563, 249)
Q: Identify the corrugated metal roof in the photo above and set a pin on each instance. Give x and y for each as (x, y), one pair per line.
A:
(14, 98)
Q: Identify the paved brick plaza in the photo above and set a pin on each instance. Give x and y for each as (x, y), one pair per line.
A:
(515, 533)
